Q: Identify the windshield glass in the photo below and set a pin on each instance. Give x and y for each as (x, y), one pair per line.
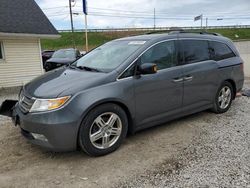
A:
(109, 56)
(64, 54)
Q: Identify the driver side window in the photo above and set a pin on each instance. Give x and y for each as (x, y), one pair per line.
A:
(163, 55)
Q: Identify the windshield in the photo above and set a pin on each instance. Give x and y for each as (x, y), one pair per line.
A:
(64, 54)
(109, 56)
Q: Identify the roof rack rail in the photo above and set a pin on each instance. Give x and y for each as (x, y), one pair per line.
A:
(198, 32)
(164, 31)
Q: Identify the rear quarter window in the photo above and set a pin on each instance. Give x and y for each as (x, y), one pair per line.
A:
(220, 51)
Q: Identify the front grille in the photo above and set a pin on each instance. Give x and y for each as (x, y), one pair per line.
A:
(25, 103)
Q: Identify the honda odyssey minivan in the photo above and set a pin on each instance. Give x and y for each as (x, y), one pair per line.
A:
(127, 85)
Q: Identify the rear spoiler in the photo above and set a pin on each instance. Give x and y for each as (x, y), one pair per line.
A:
(6, 109)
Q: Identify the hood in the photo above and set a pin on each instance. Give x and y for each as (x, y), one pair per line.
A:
(69, 81)
(61, 60)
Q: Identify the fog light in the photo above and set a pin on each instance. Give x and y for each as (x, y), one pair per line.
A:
(39, 137)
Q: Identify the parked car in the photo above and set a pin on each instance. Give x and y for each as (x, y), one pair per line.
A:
(46, 54)
(127, 85)
(62, 57)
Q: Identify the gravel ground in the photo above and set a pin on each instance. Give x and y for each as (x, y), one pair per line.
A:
(218, 156)
(202, 150)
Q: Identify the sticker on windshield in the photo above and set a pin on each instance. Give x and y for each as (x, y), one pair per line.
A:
(136, 43)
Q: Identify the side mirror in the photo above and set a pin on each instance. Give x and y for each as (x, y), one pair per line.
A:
(147, 68)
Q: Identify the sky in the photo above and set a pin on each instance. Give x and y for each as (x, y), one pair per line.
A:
(140, 13)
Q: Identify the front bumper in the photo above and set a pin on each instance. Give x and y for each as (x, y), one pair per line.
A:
(60, 128)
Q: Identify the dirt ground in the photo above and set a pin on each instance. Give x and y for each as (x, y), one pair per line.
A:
(168, 155)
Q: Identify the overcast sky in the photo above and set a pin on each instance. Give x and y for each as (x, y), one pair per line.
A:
(140, 13)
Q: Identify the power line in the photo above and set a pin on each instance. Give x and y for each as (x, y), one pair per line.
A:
(160, 12)
(131, 16)
(143, 15)
(150, 13)
(140, 14)
(159, 17)
(51, 8)
(147, 17)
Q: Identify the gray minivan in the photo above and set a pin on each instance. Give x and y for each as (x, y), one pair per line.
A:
(127, 85)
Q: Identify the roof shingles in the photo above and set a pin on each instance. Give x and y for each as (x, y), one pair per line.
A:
(24, 16)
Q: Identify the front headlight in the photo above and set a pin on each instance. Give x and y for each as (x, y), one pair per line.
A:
(41, 105)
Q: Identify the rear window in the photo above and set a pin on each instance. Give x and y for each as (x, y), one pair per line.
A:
(220, 51)
(64, 54)
(195, 50)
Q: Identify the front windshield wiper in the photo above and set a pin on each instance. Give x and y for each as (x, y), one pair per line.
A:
(72, 66)
(88, 68)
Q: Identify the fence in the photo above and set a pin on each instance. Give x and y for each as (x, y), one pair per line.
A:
(157, 28)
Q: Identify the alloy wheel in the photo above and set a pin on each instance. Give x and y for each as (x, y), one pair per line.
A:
(224, 97)
(105, 130)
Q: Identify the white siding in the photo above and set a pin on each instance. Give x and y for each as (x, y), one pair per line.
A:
(22, 62)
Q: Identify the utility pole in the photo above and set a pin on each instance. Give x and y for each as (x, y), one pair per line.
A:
(201, 20)
(72, 26)
(85, 11)
(154, 19)
(206, 22)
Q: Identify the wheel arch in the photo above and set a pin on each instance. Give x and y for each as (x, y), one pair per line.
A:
(131, 128)
(232, 82)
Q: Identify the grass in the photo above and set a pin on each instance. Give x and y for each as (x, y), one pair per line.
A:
(98, 38)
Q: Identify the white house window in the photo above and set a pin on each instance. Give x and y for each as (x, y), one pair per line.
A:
(1, 51)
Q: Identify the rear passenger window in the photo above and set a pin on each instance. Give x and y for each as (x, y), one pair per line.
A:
(220, 51)
(163, 55)
(195, 50)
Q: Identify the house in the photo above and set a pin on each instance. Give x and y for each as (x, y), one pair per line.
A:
(22, 26)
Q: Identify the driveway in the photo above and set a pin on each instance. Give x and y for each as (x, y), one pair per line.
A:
(204, 149)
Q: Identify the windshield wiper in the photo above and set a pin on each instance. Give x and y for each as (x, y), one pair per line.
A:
(88, 68)
(72, 66)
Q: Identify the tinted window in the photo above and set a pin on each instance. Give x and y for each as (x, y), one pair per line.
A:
(1, 53)
(162, 54)
(220, 51)
(195, 51)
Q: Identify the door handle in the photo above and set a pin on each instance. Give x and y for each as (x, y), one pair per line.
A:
(177, 80)
(188, 78)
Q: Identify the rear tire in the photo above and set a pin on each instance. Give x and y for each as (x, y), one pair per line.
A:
(223, 98)
(103, 130)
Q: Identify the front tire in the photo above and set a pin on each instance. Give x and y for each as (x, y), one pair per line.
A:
(224, 98)
(103, 130)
